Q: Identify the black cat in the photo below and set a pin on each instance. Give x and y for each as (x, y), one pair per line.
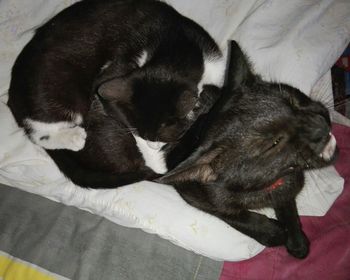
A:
(113, 155)
(142, 45)
(250, 152)
(147, 64)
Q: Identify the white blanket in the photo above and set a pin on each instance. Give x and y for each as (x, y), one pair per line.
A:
(288, 41)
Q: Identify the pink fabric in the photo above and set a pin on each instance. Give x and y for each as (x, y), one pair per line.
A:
(329, 257)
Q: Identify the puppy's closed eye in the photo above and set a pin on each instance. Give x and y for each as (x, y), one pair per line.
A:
(276, 142)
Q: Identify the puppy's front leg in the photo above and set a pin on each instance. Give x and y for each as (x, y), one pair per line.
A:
(207, 198)
(266, 231)
(297, 242)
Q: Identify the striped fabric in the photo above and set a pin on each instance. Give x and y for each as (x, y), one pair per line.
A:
(12, 268)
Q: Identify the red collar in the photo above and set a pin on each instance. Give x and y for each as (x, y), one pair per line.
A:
(275, 185)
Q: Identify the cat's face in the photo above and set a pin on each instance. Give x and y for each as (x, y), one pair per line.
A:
(161, 109)
(257, 133)
(154, 109)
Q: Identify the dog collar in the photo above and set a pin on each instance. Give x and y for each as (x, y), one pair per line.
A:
(275, 185)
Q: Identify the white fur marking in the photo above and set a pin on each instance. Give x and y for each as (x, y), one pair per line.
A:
(155, 145)
(142, 59)
(78, 120)
(190, 116)
(214, 72)
(106, 65)
(58, 135)
(329, 149)
(153, 156)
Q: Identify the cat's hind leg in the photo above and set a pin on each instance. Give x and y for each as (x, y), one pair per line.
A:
(57, 135)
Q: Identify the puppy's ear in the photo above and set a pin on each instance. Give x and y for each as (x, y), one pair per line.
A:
(196, 168)
(202, 173)
(239, 71)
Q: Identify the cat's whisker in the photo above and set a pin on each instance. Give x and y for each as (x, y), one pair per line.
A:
(328, 104)
(338, 104)
(341, 103)
(131, 130)
(279, 85)
(310, 171)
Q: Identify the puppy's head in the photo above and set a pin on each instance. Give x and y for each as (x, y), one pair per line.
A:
(257, 133)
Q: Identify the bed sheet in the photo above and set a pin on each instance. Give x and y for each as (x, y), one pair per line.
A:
(63, 242)
(157, 208)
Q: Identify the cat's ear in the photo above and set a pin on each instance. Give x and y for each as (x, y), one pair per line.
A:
(239, 70)
(113, 71)
(117, 90)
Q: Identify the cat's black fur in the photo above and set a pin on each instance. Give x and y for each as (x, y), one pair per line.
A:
(250, 152)
(94, 47)
(110, 157)
(91, 42)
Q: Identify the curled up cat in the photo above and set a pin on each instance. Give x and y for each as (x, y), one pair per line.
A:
(142, 45)
(105, 84)
(250, 151)
(113, 156)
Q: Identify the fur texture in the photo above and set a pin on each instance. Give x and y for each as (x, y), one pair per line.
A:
(113, 155)
(105, 83)
(141, 45)
(249, 152)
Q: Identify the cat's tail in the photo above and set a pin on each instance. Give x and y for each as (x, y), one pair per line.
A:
(95, 179)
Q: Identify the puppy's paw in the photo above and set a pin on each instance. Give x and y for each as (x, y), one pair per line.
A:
(274, 235)
(298, 246)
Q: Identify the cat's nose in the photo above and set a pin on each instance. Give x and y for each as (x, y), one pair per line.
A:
(329, 149)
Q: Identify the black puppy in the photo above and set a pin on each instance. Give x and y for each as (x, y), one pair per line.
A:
(250, 152)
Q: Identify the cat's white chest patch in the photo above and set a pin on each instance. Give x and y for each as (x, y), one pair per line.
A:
(214, 72)
(152, 154)
(142, 59)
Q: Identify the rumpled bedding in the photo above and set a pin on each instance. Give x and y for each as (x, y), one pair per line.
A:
(63, 242)
(293, 42)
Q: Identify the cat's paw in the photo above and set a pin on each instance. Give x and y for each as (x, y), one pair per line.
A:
(298, 246)
(69, 138)
(57, 135)
(72, 138)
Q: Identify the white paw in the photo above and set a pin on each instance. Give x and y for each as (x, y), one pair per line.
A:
(72, 138)
(58, 135)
